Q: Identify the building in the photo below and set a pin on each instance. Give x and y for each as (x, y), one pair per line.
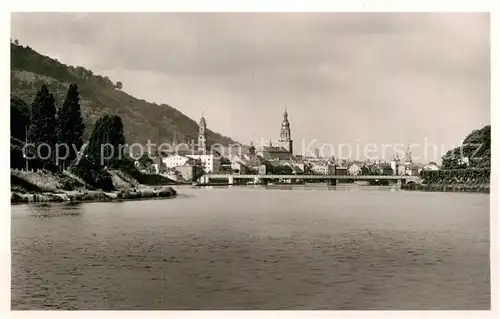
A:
(297, 167)
(274, 152)
(233, 150)
(342, 171)
(322, 168)
(210, 163)
(412, 170)
(463, 161)
(385, 169)
(175, 160)
(316, 153)
(284, 149)
(395, 165)
(286, 134)
(238, 166)
(431, 167)
(401, 169)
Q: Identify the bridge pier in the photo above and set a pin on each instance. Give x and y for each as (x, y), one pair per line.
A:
(204, 179)
(257, 180)
(230, 180)
(331, 182)
(399, 182)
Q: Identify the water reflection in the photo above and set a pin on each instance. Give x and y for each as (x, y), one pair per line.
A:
(45, 210)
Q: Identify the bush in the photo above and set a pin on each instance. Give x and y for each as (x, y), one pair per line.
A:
(457, 176)
(93, 175)
(69, 184)
(127, 166)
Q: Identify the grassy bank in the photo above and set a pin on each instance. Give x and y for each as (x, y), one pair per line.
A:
(93, 196)
(44, 186)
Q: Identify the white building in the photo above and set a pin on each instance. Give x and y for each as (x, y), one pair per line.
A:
(210, 163)
(175, 160)
(323, 168)
(463, 160)
(431, 167)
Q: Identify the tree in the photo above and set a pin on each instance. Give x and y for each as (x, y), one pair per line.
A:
(70, 125)
(16, 42)
(197, 173)
(282, 170)
(19, 117)
(19, 123)
(119, 85)
(117, 131)
(365, 170)
(476, 147)
(145, 161)
(108, 82)
(107, 141)
(42, 130)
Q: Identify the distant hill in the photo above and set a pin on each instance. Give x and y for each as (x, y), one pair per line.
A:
(143, 121)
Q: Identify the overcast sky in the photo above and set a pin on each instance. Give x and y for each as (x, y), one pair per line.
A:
(352, 78)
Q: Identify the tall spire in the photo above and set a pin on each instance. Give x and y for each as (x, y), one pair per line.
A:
(286, 133)
(408, 155)
(202, 130)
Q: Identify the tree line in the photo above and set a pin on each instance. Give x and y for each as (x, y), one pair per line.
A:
(54, 135)
(23, 56)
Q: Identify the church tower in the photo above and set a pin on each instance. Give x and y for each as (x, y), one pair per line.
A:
(408, 159)
(202, 135)
(285, 134)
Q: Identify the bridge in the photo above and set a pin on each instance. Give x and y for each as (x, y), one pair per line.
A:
(331, 179)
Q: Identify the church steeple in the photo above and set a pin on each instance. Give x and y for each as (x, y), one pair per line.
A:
(202, 134)
(286, 133)
(408, 156)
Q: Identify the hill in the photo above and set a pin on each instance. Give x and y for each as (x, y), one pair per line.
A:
(143, 121)
(476, 147)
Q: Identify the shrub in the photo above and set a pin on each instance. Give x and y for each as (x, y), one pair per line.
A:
(94, 175)
(454, 176)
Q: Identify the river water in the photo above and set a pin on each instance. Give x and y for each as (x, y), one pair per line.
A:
(253, 248)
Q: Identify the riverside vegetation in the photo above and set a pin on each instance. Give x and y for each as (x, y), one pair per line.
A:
(86, 101)
(79, 173)
(458, 174)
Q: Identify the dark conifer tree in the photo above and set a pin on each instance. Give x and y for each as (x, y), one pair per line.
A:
(70, 125)
(106, 141)
(19, 117)
(42, 130)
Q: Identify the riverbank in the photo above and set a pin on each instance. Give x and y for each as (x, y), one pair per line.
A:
(45, 186)
(94, 196)
(472, 180)
(469, 188)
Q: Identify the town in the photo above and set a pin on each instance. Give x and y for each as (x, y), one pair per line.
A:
(188, 163)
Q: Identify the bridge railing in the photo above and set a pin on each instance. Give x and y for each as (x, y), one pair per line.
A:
(350, 177)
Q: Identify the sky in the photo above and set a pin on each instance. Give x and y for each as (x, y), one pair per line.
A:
(351, 82)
